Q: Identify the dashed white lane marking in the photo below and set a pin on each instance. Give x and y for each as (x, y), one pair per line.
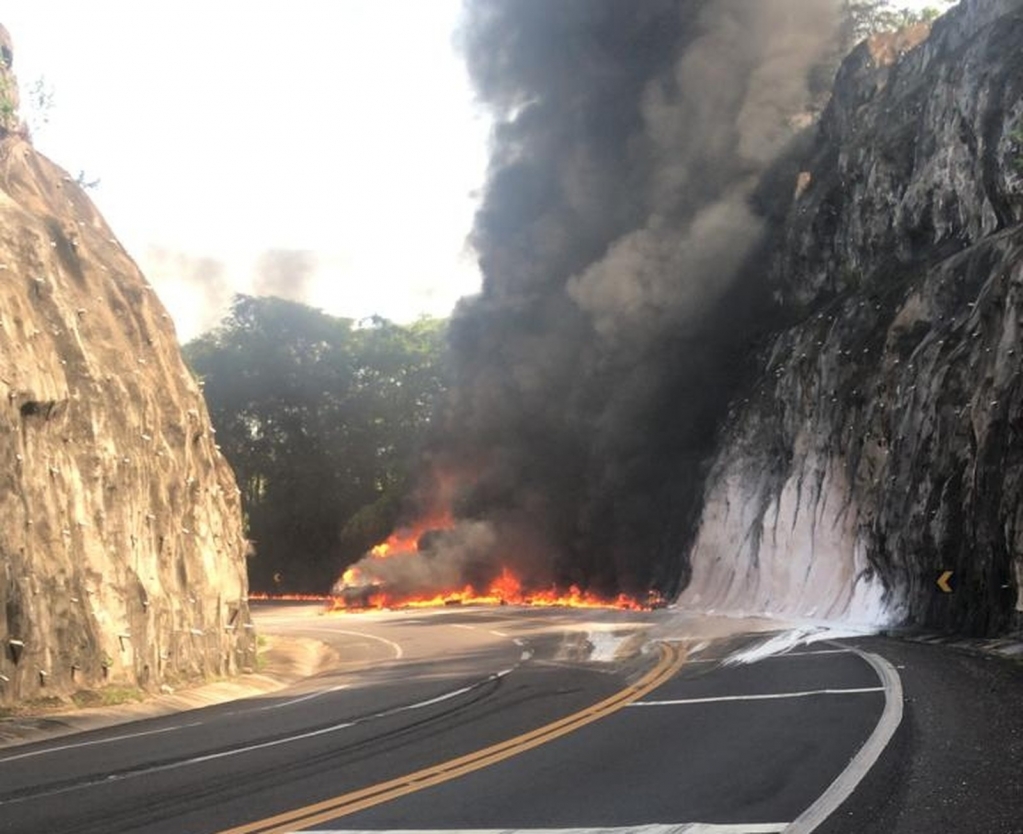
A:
(304, 698)
(500, 634)
(773, 696)
(681, 828)
(96, 742)
(465, 627)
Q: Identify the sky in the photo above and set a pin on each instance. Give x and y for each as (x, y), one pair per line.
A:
(323, 150)
(334, 142)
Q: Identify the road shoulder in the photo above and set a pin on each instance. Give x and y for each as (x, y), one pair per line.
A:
(953, 765)
(284, 661)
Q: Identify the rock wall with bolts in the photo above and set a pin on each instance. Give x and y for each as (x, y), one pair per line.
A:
(881, 445)
(122, 554)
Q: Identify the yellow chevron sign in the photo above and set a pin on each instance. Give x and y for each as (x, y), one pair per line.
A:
(945, 581)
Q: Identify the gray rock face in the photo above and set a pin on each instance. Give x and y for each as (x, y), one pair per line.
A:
(122, 557)
(883, 442)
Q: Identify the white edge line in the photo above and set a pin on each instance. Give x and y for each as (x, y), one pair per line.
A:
(420, 704)
(96, 742)
(398, 652)
(683, 828)
(843, 786)
(769, 697)
(313, 733)
(304, 698)
(128, 736)
(209, 757)
(223, 754)
(739, 828)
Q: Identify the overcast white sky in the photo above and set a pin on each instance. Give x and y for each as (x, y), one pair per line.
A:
(221, 130)
(342, 130)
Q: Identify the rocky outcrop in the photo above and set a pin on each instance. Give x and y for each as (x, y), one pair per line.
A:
(121, 546)
(883, 443)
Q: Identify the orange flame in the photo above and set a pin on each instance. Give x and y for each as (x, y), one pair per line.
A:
(357, 589)
(258, 596)
(403, 540)
(406, 539)
(506, 589)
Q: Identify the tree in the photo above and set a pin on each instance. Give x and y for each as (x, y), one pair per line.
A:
(321, 418)
(864, 18)
(9, 118)
(40, 105)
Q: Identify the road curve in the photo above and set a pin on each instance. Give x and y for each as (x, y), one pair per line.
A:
(496, 718)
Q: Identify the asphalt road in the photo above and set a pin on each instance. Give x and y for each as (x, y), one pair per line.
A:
(508, 718)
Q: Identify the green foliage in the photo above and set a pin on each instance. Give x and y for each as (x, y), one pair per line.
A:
(108, 696)
(373, 522)
(82, 181)
(321, 418)
(8, 107)
(1016, 136)
(262, 647)
(864, 18)
(40, 105)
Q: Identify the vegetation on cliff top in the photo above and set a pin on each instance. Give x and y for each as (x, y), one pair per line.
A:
(870, 17)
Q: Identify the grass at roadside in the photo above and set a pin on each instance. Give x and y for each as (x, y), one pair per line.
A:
(262, 645)
(108, 696)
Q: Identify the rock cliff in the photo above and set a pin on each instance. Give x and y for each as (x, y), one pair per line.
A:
(883, 442)
(122, 557)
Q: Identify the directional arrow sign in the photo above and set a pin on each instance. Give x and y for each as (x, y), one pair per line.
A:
(945, 581)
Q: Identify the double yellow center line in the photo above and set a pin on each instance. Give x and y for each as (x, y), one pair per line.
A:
(671, 660)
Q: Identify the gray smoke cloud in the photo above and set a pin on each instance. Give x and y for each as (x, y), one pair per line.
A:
(284, 273)
(445, 560)
(619, 232)
(204, 276)
(710, 128)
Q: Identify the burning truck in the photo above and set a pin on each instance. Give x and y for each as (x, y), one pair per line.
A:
(429, 565)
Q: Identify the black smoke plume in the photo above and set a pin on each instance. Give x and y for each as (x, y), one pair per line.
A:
(619, 233)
